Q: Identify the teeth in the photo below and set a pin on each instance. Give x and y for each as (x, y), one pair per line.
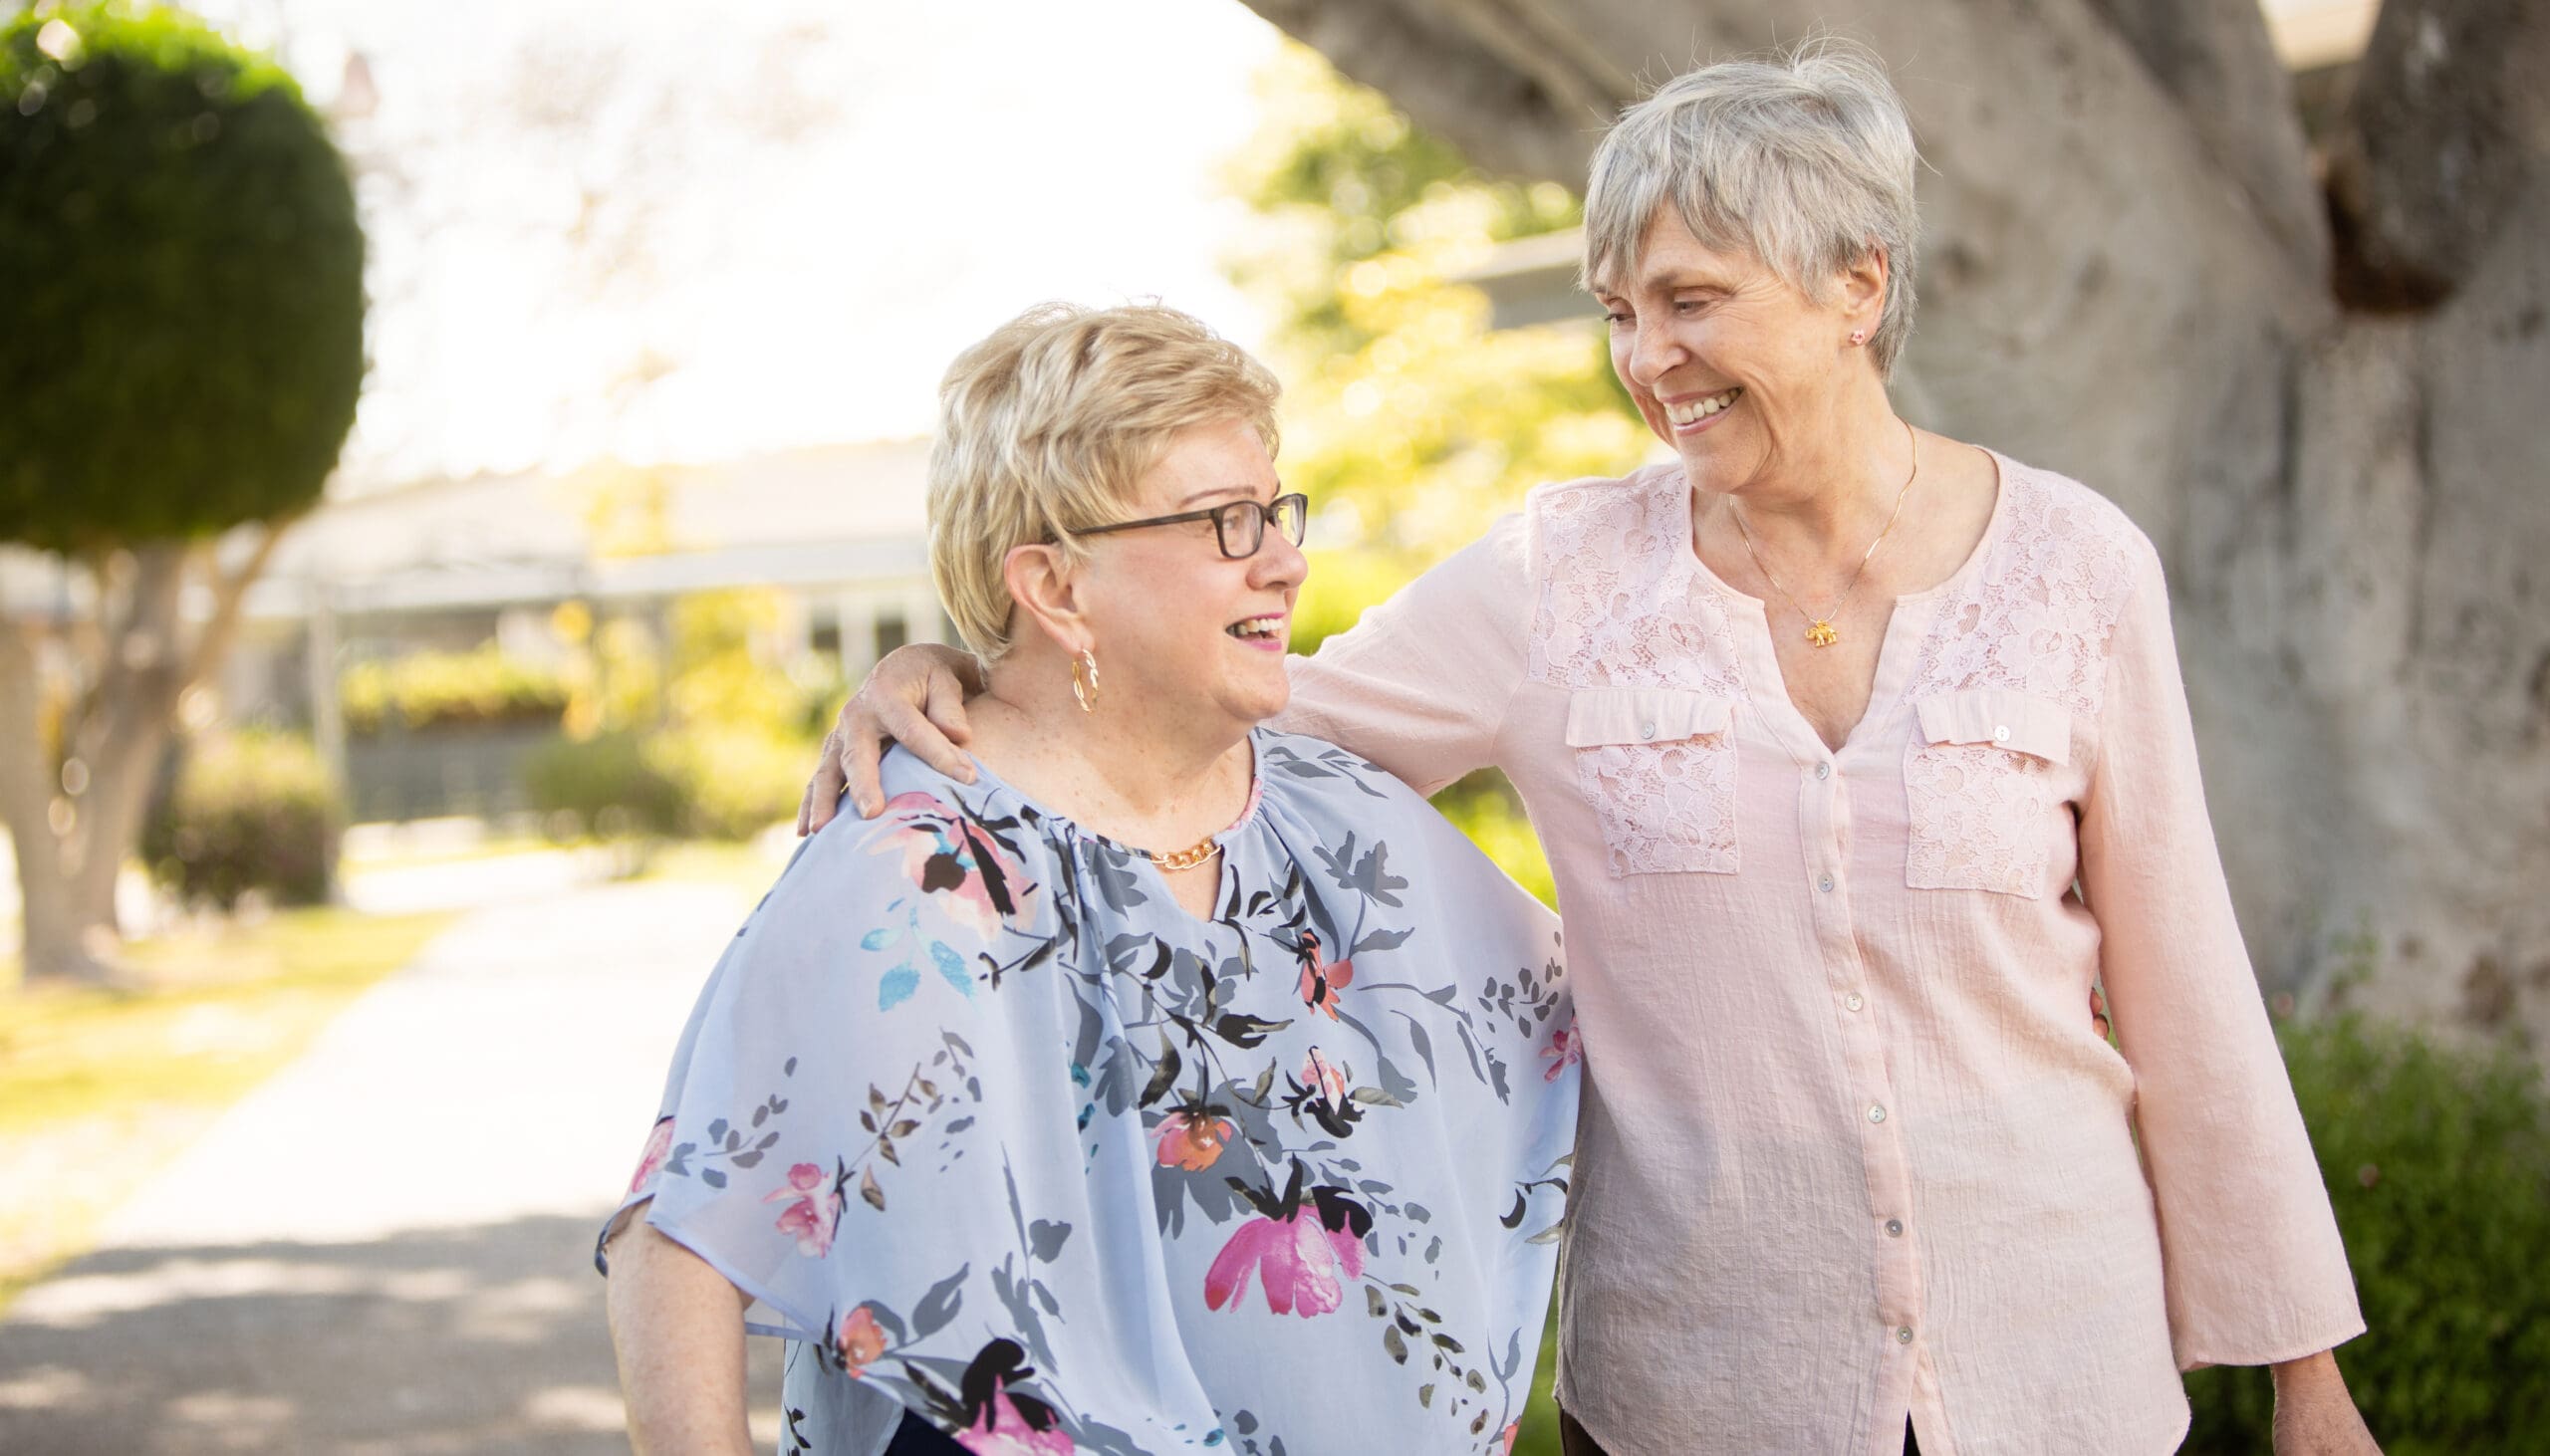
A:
(1256, 626)
(1699, 409)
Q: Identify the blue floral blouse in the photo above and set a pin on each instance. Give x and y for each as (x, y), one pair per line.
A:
(1005, 1139)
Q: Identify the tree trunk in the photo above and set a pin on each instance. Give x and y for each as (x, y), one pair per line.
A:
(73, 810)
(2333, 433)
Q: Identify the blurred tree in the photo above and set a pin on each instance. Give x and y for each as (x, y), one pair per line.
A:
(181, 289)
(1409, 422)
(2311, 367)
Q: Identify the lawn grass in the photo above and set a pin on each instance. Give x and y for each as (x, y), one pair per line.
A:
(98, 1087)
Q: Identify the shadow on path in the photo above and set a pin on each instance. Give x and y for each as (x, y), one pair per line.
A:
(486, 1338)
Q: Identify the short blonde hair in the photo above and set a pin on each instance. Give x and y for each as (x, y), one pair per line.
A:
(1803, 159)
(1046, 427)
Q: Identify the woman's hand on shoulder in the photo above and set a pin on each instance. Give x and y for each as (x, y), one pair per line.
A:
(2314, 1413)
(915, 696)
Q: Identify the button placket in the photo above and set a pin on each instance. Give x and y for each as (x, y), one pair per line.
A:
(1824, 804)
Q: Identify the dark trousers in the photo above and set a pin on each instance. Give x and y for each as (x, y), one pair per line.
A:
(1574, 1442)
(917, 1437)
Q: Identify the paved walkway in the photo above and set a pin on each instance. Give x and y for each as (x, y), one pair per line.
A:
(386, 1249)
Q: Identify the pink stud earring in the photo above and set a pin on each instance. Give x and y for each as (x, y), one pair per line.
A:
(1858, 336)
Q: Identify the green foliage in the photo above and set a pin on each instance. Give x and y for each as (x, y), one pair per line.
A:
(607, 785)
(180, 282)
(1485, 807)
(717, 782)
(1409, 422)
(735, 780)
(429, 690)
(2439, 1162)
(251, 811)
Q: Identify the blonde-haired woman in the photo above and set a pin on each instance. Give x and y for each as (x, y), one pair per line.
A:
(1161, 1085)
(1863, 761)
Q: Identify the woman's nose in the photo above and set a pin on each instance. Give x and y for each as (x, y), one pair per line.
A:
(1654, 351)
(1278, 562)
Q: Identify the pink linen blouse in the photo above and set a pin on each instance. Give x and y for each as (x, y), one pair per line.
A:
(1854, 1145)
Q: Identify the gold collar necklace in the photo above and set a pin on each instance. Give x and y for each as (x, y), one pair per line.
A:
(1820, 631)
(1180, 860)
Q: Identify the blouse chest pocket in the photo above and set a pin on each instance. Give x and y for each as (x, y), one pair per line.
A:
(1980, 778)
(1658, 765)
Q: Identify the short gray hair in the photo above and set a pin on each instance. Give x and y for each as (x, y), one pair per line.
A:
(1803, 159)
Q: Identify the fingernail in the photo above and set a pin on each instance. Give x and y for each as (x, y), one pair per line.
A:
(866, 810)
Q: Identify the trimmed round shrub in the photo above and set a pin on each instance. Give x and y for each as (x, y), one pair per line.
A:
(180, 282)
(2438, 1159)
(250, 811)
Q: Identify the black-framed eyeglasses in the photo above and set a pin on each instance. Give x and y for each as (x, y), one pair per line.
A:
(1239, 527)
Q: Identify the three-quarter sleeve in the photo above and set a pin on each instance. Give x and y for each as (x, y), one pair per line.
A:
(2255, 1271)
(1421, 686)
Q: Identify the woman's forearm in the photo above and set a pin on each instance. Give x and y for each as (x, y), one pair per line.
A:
(678, 1329)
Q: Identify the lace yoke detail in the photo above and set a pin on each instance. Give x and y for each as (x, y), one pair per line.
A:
(1621, 604)
(2035, 620)
(2037, 617)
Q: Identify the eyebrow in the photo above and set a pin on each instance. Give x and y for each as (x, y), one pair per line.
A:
(1213, 490)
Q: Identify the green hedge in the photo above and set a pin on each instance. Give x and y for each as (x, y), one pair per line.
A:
(250, 811)
(430, 691)
(718, 783)
(2438, 1159)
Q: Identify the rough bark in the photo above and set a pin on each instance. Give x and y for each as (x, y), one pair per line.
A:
(2449, 117)
(73, 830)
(2125, 277)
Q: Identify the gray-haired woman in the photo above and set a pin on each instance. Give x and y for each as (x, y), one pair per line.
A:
(1862, 761)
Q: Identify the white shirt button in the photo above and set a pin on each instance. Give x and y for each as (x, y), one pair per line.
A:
(2000, 733)
(1876, 1112)
(1854, 1001)
(1824, 882)
(1647, 730)
(1895, 1228)
(1824, 771)
(1904, 1335)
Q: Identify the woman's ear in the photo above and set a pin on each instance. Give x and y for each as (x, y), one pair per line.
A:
(1864, 288)
(1044, 590)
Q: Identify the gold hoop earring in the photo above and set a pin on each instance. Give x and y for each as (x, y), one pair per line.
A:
(1085, 680)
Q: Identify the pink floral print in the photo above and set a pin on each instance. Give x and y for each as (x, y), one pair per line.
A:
(1002, 1431)
(1302, 1252)
(812, 1211)
(659, 1146)
(979, 885)
(1566, 1048)
(1323, 980)
(1192, 1140)
(859, 1340)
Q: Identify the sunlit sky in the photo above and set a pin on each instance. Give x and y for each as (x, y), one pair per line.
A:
(799, 209)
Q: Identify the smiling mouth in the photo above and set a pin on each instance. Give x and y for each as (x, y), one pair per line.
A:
(1695, 410)
(1256, 628)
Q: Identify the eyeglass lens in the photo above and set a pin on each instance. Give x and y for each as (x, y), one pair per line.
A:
(1240, 527)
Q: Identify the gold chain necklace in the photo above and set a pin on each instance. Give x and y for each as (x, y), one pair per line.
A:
(1180, 860)
(1820, 631)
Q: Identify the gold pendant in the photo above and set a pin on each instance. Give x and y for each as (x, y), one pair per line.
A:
(1821, 634)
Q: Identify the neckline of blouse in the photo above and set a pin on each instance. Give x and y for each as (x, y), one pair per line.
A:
(985, 778)
(2004, 468)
